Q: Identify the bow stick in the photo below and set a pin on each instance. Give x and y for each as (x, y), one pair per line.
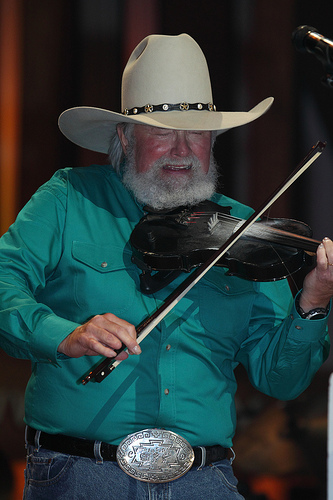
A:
(148, 324)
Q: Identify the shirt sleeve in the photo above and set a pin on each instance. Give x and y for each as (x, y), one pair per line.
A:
(282, 352)
(29, 253)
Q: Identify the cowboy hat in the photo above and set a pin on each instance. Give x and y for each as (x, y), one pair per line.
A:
(165, 84)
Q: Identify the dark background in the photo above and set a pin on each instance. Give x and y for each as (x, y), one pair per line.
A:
(73, 53)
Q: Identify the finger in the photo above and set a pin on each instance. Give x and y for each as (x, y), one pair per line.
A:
(117, 331)
(107, 352)
(325, 253)
(321, 256)
(92, 342)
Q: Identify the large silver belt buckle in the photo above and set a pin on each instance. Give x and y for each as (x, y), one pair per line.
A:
(155, 455)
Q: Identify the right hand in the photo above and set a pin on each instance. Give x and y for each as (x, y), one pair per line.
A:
(100, 336)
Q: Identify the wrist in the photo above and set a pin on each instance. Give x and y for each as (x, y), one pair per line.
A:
(311, 312)
(308, 301)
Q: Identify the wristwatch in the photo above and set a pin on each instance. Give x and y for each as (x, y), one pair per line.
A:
(317, 313)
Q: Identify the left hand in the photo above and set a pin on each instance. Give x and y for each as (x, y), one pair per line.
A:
(318, 284)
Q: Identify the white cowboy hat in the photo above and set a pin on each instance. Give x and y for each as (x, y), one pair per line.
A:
(165, 84)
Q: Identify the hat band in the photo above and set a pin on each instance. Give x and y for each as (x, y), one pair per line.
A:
(181, 106)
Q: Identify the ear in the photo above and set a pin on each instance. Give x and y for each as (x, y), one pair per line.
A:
(122, 138)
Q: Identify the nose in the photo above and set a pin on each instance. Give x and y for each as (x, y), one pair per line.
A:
(180, 145)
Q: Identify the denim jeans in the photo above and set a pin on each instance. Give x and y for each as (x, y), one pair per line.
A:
(51, 475)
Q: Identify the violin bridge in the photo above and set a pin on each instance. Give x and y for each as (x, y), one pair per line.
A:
(213, 221)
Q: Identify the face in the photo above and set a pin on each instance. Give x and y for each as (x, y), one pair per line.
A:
(168, 168)
(154, 144)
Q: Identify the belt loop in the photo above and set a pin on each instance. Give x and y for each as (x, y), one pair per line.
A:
(36, 440)
(26, 437)
(203, 457)
(98, 452)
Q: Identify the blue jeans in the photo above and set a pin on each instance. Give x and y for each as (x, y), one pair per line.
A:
(51, 475)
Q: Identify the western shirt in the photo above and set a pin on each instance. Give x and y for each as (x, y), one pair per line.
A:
(68, 257)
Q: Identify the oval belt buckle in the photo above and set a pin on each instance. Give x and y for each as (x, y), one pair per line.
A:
(155, 455)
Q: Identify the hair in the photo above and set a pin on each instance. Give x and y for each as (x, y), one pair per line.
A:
(116, 153)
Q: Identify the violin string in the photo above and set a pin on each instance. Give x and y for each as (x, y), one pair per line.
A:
(289, 274)
(261, 231)
(229, 219)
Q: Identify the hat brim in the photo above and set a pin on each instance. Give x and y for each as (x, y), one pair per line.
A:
(92, 128)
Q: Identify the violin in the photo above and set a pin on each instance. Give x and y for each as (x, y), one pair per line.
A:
(183, 239)
(105, 367)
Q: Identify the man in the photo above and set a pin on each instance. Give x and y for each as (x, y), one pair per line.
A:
(70, 293)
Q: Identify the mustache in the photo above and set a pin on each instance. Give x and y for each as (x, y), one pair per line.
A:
(187, 161)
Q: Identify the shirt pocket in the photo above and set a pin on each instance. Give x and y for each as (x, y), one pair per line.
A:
(105, 278)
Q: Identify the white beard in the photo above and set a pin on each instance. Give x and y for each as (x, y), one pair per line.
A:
(166, 192)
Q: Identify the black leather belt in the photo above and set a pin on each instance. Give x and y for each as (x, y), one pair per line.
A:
(85, 448)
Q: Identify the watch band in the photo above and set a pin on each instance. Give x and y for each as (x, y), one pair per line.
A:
(317, 313)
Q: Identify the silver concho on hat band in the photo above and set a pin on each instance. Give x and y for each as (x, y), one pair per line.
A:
(155, 455)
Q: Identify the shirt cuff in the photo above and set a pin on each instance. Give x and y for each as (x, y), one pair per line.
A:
(307, 330)
(51, 331)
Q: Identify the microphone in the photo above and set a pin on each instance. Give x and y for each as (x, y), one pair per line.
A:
(307, 39)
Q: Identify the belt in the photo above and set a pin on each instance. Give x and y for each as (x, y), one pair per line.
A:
(203, 455)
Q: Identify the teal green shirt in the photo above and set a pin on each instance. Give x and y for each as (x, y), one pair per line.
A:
(68, 258)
